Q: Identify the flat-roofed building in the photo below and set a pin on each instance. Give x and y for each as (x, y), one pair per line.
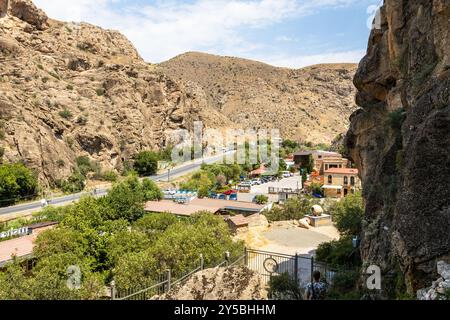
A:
(22, 247)
(339, 182)
(214, 206)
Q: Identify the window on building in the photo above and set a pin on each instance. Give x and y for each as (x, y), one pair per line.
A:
(352, 181)
(330, 179)
(345, 180)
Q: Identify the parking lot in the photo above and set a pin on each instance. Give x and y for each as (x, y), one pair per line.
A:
(294, 182)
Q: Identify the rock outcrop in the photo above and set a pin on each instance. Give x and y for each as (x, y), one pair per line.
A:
(24, 10)
(235, 283)
(440, 289)
(400, 140)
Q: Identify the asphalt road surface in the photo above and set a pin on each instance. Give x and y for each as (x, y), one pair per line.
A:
(175, 172)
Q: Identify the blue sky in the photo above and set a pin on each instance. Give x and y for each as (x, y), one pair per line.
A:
(286, 33)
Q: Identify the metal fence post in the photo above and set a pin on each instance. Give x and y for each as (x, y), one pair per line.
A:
(312, 268)
(202, 261)
(113, 290)
(296, 268)
(169, 280)
(227, 258)
(245, 257)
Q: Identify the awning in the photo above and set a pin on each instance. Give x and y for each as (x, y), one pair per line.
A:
(331, 187)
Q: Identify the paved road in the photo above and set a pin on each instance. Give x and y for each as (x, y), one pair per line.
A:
(175, 172)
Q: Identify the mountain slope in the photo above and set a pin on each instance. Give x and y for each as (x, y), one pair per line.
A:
(69, 89)
(311, 104)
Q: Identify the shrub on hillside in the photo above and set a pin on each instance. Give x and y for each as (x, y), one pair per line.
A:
(75, 183)
(348, 214)
(16, 182)
(146, 163)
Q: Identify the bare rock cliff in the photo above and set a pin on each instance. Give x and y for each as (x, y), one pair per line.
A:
(73, 89)
(400, 140)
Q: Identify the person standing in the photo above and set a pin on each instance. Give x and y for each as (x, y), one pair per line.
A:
(316, 290)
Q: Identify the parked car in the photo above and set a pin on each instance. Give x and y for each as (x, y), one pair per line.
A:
(286, 174)
(222, 197)
(256, 182)
(229, 192)
(212, 195)
(233, 197)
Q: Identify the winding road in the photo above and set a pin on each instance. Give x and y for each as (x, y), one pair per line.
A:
(178, 171)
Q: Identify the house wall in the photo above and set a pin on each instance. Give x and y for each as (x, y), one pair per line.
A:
(338, 179)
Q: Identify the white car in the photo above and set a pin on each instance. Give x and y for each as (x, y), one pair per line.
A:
(287, 174)
(256, 182)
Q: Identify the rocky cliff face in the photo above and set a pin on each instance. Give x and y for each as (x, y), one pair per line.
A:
(400, 139)
(310, 104)
(69, 89)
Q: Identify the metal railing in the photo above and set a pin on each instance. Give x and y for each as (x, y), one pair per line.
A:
(165, 282)
(299, 267)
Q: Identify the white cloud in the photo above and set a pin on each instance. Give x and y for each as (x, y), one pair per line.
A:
(301, 61)
(165, 29)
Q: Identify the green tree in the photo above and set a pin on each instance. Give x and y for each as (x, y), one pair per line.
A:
(339, 253)
(283, 287)
(124, 242)
(154, 224)
(151, 191)
(348, 214)
(261, 199)
(125, 200)
(316, 188)
(13, 283)
(146, 163)
(60, 240)
(136, 270)
(304, 177)
(75, 183)
(51, 274)
(16, 182)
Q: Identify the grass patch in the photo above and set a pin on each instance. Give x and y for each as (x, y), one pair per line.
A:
(55, 75)
(396, 119)
(82, 120)
(66, 114)
(100, 92)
